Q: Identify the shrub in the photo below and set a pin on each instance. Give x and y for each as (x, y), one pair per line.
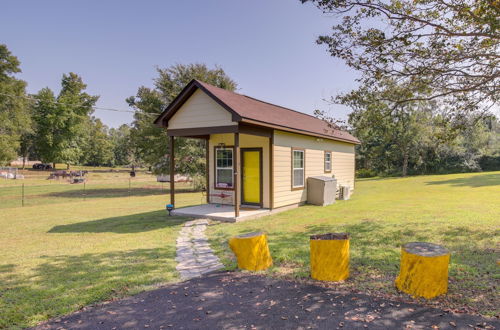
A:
(365, 173)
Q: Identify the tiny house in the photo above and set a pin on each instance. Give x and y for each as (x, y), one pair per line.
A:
(259, 155)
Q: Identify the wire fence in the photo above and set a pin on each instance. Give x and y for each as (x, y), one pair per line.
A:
(38, 189)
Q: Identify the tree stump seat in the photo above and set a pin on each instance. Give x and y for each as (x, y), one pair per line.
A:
(424, 270)
(252, 251)
(330, 256)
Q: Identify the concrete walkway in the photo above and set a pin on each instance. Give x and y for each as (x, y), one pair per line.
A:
(194, 255)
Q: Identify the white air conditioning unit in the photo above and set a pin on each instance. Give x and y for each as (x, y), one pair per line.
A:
(344, 193)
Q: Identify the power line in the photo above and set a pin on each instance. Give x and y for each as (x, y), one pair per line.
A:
(81, 105)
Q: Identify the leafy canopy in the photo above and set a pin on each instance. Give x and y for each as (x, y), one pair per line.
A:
(14, 107)
(150, 141)
(446, 49)
(62, 121)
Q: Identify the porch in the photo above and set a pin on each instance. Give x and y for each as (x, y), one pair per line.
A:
(221, 212)
(238, 172)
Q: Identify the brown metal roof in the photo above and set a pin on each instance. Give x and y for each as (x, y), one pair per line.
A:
(250, 110)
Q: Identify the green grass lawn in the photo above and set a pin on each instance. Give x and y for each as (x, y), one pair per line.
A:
(459, 211)
(61, 253)
(38, 190)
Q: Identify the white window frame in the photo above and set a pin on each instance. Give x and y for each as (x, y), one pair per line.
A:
(328, 162)
(303, 168)
(216, 184)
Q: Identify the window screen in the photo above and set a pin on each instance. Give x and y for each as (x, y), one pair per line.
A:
(298, 169)
(223, 168)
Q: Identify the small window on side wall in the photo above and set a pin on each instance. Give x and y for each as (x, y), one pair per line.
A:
(298, 173)
(328, 161)
(224, 168)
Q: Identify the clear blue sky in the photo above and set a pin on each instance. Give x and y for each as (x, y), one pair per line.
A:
(267, 46)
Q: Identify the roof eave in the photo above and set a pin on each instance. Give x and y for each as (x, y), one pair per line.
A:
(299, 131)
(190, 88)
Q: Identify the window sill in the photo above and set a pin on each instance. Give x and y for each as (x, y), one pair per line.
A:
(221, 188)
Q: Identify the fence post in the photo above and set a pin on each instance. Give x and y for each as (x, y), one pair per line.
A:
(23, 195)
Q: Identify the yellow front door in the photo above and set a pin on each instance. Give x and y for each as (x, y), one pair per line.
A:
(251, 176)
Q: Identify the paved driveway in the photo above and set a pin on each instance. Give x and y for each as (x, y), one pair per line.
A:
(237, 301)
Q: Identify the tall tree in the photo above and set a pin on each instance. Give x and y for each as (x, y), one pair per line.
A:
(412, 137)
(61, 120)
(97, 147)
(151, 141)
(14, 107)
(123, 150)
(448, 49)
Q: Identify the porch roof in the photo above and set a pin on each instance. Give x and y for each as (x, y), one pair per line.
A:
(250, 111)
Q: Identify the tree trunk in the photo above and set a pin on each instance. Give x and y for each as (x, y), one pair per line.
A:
(54, 165)
(405, 163)
(67, 166)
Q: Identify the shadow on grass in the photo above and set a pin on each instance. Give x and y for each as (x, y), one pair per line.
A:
(65, 283)
(134, 223)
(116, 192)
(473, 181)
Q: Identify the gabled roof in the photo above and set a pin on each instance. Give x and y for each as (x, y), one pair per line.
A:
(249, 110)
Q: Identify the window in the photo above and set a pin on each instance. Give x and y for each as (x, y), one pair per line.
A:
(328, 161)
(224, 168)
(297, 168)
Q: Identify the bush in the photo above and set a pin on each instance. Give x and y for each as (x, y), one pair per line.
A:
(490, 163)
(365, 173)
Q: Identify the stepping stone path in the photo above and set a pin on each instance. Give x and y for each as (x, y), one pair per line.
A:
(194, 255)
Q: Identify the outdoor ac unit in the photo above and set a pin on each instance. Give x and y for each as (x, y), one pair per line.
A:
(344, 193)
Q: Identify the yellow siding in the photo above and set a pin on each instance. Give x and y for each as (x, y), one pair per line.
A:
(342, 164)
(200, 110)
(246, 141)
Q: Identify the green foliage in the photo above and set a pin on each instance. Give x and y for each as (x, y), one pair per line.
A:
(97, 146)
(123, 152)
(447, 50)
(62, 121)
(365, 173)
(14, 107)
(150, 141)
(413, 137)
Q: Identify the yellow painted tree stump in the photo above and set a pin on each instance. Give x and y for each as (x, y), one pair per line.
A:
(424, 270)
(330, 256)
(252, 251)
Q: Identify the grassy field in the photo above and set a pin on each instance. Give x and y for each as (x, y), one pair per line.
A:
(60, 253)
(38, 190)
(460, 211)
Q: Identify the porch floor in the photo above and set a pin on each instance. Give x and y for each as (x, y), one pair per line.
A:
(220, 212)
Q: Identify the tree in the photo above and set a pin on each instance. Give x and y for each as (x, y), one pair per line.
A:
(122, 147)
(447, 49)
(61, 121)
(413, 137)
(14, 115)
(97, 147)
(150, 141)
(392, 132)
